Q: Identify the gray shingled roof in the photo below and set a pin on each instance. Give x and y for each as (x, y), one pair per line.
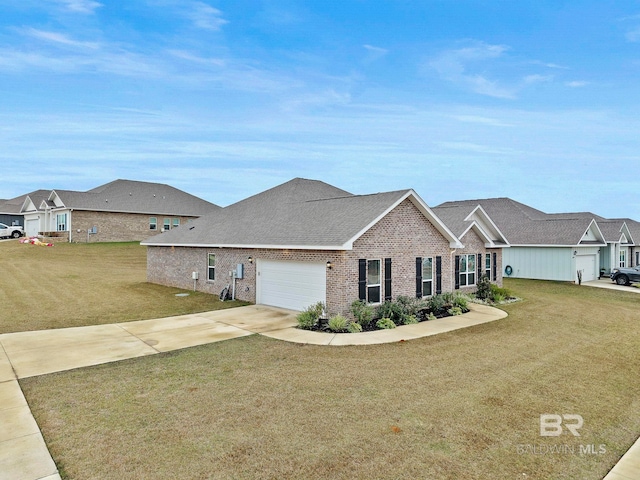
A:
(524, 225)
(299, 213)
(129, 196)
(14, 205)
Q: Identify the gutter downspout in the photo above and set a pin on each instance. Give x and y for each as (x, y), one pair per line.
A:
(70, 229)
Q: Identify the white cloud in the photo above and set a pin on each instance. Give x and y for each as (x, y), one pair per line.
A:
(205, 16)
(576, 84)
(454, 66)
(80, 6)
(633, 35)
(56, 37)
(529, 79)
(375, 53)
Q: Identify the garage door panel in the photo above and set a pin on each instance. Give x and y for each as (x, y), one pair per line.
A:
(587, 264)
(293, 285)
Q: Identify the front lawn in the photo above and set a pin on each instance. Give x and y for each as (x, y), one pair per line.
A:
(463, 404)
(70, 285)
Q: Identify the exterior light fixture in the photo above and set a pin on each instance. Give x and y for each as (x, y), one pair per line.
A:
(329, 264)
(250, 259)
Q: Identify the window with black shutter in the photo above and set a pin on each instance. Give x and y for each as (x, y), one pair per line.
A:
(387, 279)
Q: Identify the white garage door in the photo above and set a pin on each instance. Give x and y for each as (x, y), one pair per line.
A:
(31, 227)
(586, 263)
(293, 285)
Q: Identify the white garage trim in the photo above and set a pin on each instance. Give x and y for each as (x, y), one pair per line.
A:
(292, 285)
(32, 227)
(587, 264)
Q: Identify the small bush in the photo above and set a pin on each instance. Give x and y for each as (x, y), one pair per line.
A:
(455, 311)
(484, 288)
(461, 302)
(309, 318)
(338, 324)
(498, 298)
(410, 320)
(354, 327)
(391, 310)
(362, 312)
(503, 292)
(385, 323)
(437, 304)
(431, 316)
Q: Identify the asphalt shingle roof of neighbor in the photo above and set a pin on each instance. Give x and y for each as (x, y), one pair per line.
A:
(454, 216)
(304, 213)
(130, 196)
(524, 225)
(14, 205)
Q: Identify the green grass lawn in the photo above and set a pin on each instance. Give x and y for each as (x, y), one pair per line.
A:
(71, 285)
(464, 404)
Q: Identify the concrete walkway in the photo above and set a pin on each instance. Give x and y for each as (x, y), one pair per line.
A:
(609, 285)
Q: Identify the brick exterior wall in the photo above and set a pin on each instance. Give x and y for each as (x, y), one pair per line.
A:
(402, 235)
(115, 227)
(473, 244)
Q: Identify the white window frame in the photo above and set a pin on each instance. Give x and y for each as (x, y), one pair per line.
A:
(375, 285)
(61, 226)
(211, 269)
(166, 224)
(623, 258)
(487, 265)
(467, 274)
(427, 282)
(153, 223)
(175, 223)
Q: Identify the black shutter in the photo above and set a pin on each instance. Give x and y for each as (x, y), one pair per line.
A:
(438, 275)
(362, 279)
(457, 272)
(418, 277)
(479, 268)
(387, 279)
(495, 266)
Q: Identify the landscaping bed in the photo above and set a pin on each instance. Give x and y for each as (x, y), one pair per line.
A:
(403, 311)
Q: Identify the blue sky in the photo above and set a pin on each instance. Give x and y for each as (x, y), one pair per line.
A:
(534, 100)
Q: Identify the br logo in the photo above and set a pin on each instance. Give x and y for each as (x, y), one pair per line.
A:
(551, 424)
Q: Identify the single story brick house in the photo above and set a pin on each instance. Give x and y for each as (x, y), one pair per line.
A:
(306, 241)
(122, 210)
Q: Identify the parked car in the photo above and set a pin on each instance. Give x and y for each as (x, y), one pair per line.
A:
(14, 231)
(626, 276)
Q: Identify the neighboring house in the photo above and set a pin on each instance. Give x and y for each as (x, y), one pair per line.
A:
(122, 210)
(306, 241)
(634, 229)
(11, 210)
(619, 250)
(544, 246)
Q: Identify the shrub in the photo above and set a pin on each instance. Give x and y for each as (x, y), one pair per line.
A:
(455, 311)
(437, 304)
(484, 288)
(502, 292)
(308, 319)
(354, 327)
(498, 298)
(392, 311)
(461, 302)
(385, 323)
(362, 312)
(410, 320)
(431, 316)
(338, 324)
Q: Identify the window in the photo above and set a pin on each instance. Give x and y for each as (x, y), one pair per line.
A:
(623, 255)
(167, 224)
(153, 223)
(427, 276)
(211, 267)
(467, 270)
(487, 265)
(176, 222)
(61, 222)
(373, 281)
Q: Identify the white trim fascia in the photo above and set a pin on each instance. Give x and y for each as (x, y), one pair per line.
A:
(424, 209)
(489, 220)
(249, 247)
(488, 241)
(557, 246)
(627, 234)
(601, 236)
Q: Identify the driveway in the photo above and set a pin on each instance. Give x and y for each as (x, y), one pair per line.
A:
(609, 285)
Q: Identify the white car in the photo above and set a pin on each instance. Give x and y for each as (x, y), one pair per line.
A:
(15, 231)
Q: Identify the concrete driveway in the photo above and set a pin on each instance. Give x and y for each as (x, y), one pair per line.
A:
(609, 285)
